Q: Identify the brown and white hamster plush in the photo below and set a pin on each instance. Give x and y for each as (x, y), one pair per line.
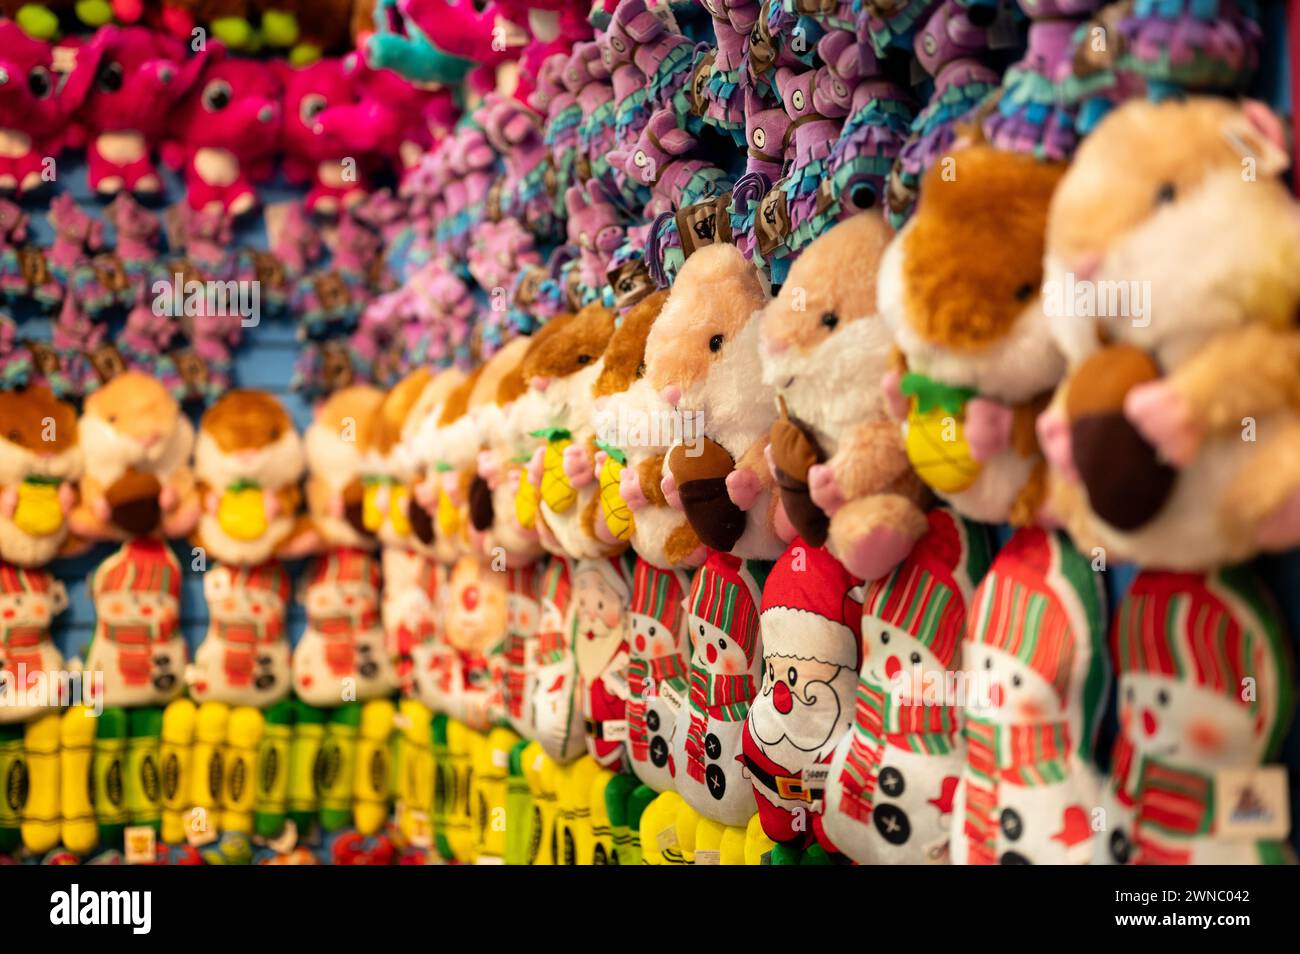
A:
(702, 356)
(1175, 440)
(444, 490)
(412, 454)
(334, 445)
(136, 442)
(633, 427)
(836, 452)
(40, 462)
(248, 460)
(563, 365)
(959, 288)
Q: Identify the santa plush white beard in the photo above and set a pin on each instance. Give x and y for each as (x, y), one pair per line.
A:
(820, 714)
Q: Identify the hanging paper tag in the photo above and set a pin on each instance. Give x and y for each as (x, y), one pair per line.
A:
(614, 730)
(141, 845)
(667, 838)
(1252, 803)
(708, 856)
(671, 696)
(421, 830)
(198, 830)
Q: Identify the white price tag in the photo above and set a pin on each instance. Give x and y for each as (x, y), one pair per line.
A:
(708, 856)
(141, 845)
(1251, 803)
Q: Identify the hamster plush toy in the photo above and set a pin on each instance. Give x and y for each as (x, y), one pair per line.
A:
(702, 356)
(30, 598)
(979, 358)
(1036, 667)
(891, 782)
(1205, 694)
(842, 468)
(248, 460)
(40, 462)
(136, 442)
(342, 656)
(1173, 444)
(563, 366)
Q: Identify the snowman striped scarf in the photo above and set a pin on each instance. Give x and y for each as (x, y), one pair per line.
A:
(551, 643)
(1027, 755)
(521, 583)
(1171, 802)
(878, 723)
(656, 593)
(723, 698)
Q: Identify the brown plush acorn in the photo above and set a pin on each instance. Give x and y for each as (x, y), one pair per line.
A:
(794, 451)
(354, 495)
(480, 504)
(1127, 483)
(133, 503)
(702, 483)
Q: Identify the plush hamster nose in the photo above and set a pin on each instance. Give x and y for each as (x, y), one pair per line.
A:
(1086, 265)
(775, 345)
(672, 395)
(149, 439)
(540, 383)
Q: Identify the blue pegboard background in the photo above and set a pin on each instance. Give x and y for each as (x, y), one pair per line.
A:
(266, 357)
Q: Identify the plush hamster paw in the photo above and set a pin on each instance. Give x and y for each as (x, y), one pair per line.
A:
(743, 487)
(877, 552)
(488, 469)
(669, 488)
(988, 428)
(1165, 419)
(1054, 439)
(535, 467)
(67, 497)
(629, 488)
(823, 489)
(168, 498)
(578, 466)
(271, 504)
(895, 399)
(8, 502)
(1280, 528)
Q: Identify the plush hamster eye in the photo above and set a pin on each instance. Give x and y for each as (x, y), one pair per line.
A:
(109, 77)
(216, 96)
(640, 370)
(39, 82)
(1166, 193)
(15, 436)
(715, 343)
(584, 358)
(1025, 292)
(830, 320)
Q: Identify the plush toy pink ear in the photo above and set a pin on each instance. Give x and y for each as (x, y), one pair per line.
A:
(76, 86)
(1259, 134)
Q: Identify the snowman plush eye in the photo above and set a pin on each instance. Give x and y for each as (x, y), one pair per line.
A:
(1162, 697)
(916, 659)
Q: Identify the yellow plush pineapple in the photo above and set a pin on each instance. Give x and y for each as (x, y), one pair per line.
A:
(241, 512)
(617, 514)
(936, 439)
(525, 500)
(557, 492)
(399, 514)
(38, 512)
(448, 516)
(372, 504)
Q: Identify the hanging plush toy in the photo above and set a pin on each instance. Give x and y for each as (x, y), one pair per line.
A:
(1172, 445)
(1205, 697)
(341, 656)
(978, 353)
(330, 159)
(890, 786)
(30, 663)
(136, 443)
(139, 77)
(40, 462)
(841, 466)
(1034, 642)
(810, 621)
(225, 132)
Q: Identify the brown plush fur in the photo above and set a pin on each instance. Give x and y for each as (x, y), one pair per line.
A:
(246, 419)
(569, 343)
(625, 356)
(969, 272)
(397, 405)
(458, 400)
(23, 414)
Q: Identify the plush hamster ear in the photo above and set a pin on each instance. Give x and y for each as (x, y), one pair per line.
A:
(1257, 133)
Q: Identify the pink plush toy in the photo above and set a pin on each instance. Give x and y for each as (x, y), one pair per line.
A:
(467, 30)
(768, 135)
(660, 161)
(140, 76)
(551, 27)
(329, 156)
(226, 132)
(35, 108)
(594, 227)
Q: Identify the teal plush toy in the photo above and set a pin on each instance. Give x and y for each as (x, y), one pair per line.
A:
(399, 45)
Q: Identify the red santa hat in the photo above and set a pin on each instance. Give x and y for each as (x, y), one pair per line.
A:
(810, 608)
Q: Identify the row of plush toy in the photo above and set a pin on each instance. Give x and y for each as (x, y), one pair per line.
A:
(710, 571)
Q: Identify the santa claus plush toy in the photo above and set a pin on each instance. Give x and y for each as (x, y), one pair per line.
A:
(891, 782)
(722, 616)
(1204, 700)
(657, 670)
(1035, 662)
(811, 620)
(601, 591)
(557, 711)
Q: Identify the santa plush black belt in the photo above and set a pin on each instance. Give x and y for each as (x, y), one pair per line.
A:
(595, 729)
(785, 786)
